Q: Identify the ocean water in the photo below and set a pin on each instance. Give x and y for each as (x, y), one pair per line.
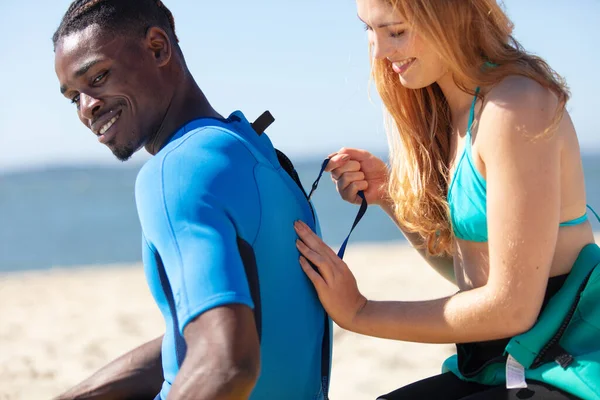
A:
(73, 216)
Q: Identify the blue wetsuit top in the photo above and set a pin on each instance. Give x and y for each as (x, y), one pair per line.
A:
(217, 213)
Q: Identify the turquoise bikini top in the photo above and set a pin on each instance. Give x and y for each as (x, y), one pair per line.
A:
(467, 195)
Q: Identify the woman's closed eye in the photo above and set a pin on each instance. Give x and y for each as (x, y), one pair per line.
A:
(394, 34)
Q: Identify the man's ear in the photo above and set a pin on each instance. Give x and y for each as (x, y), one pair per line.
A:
(159, 44)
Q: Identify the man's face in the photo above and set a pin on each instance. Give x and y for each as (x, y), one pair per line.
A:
(114, 82)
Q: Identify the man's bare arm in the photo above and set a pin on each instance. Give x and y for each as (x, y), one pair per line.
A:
(223, 356)
(137, 374)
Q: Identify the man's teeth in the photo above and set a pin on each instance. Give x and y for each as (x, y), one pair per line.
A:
(108, 125)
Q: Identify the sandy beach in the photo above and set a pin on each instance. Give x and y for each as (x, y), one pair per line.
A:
(59, 326)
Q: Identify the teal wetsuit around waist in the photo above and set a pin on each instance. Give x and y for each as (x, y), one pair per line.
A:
(467, 194)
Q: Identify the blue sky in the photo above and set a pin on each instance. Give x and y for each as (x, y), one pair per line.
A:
(305, 60)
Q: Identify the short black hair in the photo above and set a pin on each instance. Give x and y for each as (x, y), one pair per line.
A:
(118, 16)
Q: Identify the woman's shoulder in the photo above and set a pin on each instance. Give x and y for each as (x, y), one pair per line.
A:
(516, 92)
(518, 105)
(515, 111)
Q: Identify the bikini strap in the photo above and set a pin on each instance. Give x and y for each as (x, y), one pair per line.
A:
(593, 211)
(472, 113)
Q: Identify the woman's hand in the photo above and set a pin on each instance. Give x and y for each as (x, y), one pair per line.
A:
(334, 282)
(353, 170)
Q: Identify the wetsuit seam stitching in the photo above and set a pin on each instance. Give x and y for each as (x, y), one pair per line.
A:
(260, 208)
(170, 226)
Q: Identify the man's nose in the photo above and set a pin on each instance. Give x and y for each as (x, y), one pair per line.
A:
(89, 106)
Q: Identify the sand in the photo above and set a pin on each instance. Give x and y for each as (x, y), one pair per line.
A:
(59, 326)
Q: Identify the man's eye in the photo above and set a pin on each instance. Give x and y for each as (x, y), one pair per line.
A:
(99, 78)
(75, 100)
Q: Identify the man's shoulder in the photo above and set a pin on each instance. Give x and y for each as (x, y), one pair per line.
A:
(208, 143)
(205, 163)
(202, 152)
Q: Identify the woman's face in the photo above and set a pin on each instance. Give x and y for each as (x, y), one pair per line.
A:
(392, 37)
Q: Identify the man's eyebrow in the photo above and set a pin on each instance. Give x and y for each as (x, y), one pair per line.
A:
(86, 67)
(82, 70)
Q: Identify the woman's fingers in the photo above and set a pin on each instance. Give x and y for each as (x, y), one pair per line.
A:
(348, 166)
(337, 161)
(350, 192)
(313, 275)
(313, 241)
(322, 263)
(350, 177)
(355, 154)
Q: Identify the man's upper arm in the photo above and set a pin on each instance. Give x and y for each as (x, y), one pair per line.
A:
(215, 339)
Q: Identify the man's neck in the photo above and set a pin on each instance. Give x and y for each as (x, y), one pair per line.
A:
(187, 104)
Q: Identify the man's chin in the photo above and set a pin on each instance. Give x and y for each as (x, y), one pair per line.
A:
(123, 153)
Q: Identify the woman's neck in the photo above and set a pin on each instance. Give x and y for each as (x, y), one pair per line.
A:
(459, 102)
